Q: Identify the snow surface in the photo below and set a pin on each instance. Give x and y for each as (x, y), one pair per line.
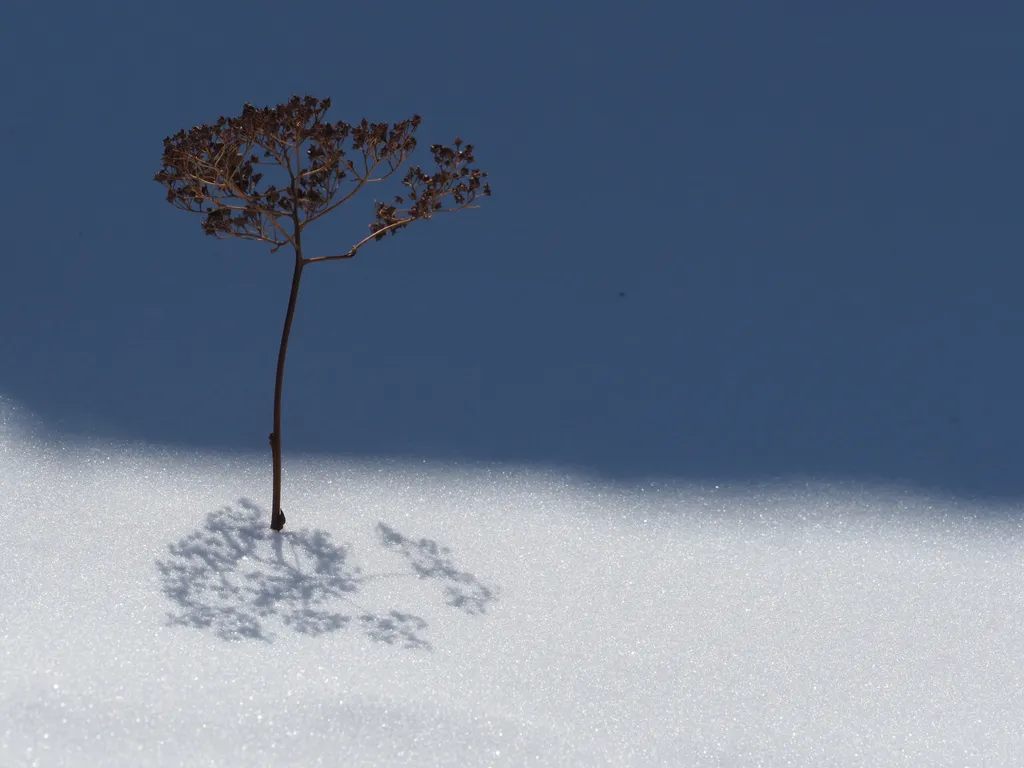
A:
(421, 615)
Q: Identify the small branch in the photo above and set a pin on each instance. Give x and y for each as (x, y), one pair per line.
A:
(229, 190)
(348, 255)
(255, 237)
(328, 209)
(311, 172)
(281, 160)
(362, 181)
(352, 251)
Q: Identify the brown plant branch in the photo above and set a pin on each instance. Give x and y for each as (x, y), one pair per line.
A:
(352, 251)
(218, 171)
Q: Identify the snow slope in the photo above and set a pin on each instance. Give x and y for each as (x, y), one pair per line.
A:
(421, 615)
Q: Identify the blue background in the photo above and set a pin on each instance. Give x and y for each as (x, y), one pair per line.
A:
(814, 214)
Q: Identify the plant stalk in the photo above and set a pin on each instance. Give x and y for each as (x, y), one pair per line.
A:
(277, 514)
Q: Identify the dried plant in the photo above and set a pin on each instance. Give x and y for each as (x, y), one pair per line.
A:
(269, 173)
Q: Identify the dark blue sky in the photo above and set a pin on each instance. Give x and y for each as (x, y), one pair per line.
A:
(815, 217)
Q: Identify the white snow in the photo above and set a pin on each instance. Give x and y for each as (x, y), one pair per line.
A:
(429, 615)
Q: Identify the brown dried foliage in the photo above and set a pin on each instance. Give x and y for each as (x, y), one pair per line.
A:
(224, 172)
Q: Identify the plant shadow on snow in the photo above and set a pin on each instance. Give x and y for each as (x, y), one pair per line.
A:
(430, 560)
(236, 577)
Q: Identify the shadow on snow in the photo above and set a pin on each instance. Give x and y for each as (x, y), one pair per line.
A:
(236, 577)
